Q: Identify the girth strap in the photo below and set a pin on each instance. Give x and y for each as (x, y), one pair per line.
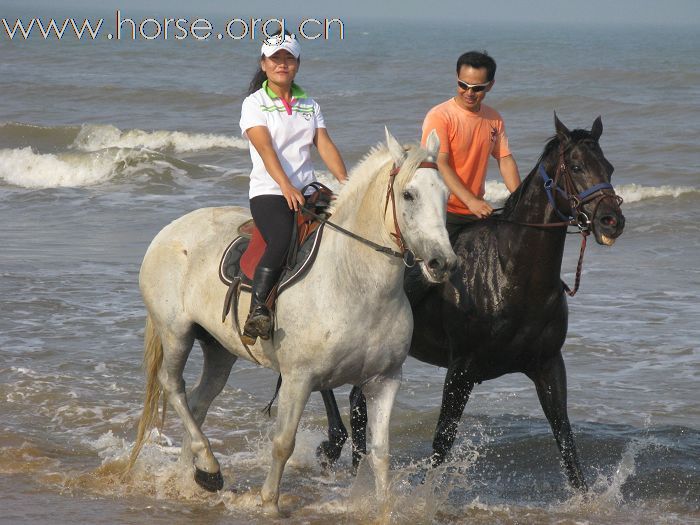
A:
(231, 304)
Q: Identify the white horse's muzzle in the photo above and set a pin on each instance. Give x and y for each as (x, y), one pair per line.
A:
(438, 269)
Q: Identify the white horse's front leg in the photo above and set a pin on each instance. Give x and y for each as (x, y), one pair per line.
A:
(293, 395)
(380, 393)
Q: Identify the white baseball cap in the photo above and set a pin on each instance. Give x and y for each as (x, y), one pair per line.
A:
(274, 43)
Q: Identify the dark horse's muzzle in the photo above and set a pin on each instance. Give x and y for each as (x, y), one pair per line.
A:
(607, 220)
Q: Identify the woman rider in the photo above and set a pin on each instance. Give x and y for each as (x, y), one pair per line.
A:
(280, 122)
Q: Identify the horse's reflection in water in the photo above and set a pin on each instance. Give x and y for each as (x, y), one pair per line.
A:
(346, 321)
(504, 308)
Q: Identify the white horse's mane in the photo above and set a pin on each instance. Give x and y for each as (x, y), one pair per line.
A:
(367, 170)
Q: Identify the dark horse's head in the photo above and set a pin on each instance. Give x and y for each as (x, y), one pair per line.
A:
(576, 177)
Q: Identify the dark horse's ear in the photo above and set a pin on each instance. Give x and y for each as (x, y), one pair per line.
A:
(597, 129)
(563, 133)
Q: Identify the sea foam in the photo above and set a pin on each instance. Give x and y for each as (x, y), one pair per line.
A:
(24, 167)
(27, 168)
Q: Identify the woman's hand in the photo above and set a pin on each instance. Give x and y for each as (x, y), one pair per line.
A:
(295, 200)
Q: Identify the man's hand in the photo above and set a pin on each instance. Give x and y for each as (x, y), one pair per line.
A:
(479, 207)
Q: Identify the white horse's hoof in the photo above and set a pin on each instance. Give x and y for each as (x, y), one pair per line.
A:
(213, 482)
(271, 510)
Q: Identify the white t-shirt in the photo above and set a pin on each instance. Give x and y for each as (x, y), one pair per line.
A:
(292, 128)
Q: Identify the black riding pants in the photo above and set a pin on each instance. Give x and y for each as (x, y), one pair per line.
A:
(456, 223)
(275, 221)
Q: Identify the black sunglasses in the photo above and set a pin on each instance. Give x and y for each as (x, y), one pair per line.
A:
(476, 88)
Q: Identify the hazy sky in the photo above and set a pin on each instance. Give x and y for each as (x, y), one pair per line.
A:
(636, 12)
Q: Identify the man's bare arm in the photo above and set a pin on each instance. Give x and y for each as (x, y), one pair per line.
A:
(477, 206)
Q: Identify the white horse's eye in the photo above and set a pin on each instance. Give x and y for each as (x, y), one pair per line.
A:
(408, 196)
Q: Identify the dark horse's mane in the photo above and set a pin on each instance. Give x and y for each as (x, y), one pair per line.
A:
(552, 146)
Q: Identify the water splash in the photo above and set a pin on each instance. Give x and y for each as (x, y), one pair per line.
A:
(606, 491)
(625, 469)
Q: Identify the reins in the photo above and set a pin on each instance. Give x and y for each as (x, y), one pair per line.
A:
(407, 255)
(372, 244)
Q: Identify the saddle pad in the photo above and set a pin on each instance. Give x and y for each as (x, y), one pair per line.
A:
(230, 264)
(304, 260)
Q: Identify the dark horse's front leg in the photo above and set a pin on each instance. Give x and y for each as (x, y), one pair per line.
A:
(358, 425)
(550, 381)
(329, 451)
(455, 395)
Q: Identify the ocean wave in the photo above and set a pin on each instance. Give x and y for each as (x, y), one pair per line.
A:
(92, 137)
(51, 138)
(635, 192)
(497, 192)
(26, 168)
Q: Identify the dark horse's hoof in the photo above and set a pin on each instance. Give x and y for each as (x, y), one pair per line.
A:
(357, 456)
(208, 481)
(436, 459)
(327, 454)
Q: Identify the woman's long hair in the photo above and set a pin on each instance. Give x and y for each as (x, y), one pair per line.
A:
(259, 77)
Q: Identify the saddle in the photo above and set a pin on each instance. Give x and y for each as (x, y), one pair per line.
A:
(242, 255)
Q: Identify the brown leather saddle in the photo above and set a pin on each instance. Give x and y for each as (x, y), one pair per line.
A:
(241, 256)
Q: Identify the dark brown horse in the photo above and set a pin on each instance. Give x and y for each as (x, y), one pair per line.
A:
(504, 309)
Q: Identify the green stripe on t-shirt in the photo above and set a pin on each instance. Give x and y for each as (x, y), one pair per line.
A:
(297, 109)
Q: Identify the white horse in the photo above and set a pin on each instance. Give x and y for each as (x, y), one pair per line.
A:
(357, 321)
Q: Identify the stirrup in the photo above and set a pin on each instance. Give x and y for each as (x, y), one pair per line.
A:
(258, 324)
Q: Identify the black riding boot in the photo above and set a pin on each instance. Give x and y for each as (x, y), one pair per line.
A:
(259, 322)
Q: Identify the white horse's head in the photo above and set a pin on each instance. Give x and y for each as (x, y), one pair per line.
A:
(421, 206)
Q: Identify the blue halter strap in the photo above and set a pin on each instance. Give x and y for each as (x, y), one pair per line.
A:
(581, 197)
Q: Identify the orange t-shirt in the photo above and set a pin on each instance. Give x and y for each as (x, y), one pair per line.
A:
(469, 138)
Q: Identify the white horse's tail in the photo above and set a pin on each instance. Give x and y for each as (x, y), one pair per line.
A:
(152, 361)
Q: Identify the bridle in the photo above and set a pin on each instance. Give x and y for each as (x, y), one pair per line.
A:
(405, 254)
(409, 258)
(576, 217)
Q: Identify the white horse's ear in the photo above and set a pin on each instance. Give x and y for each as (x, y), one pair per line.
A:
(395, 148)
(432, 145)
